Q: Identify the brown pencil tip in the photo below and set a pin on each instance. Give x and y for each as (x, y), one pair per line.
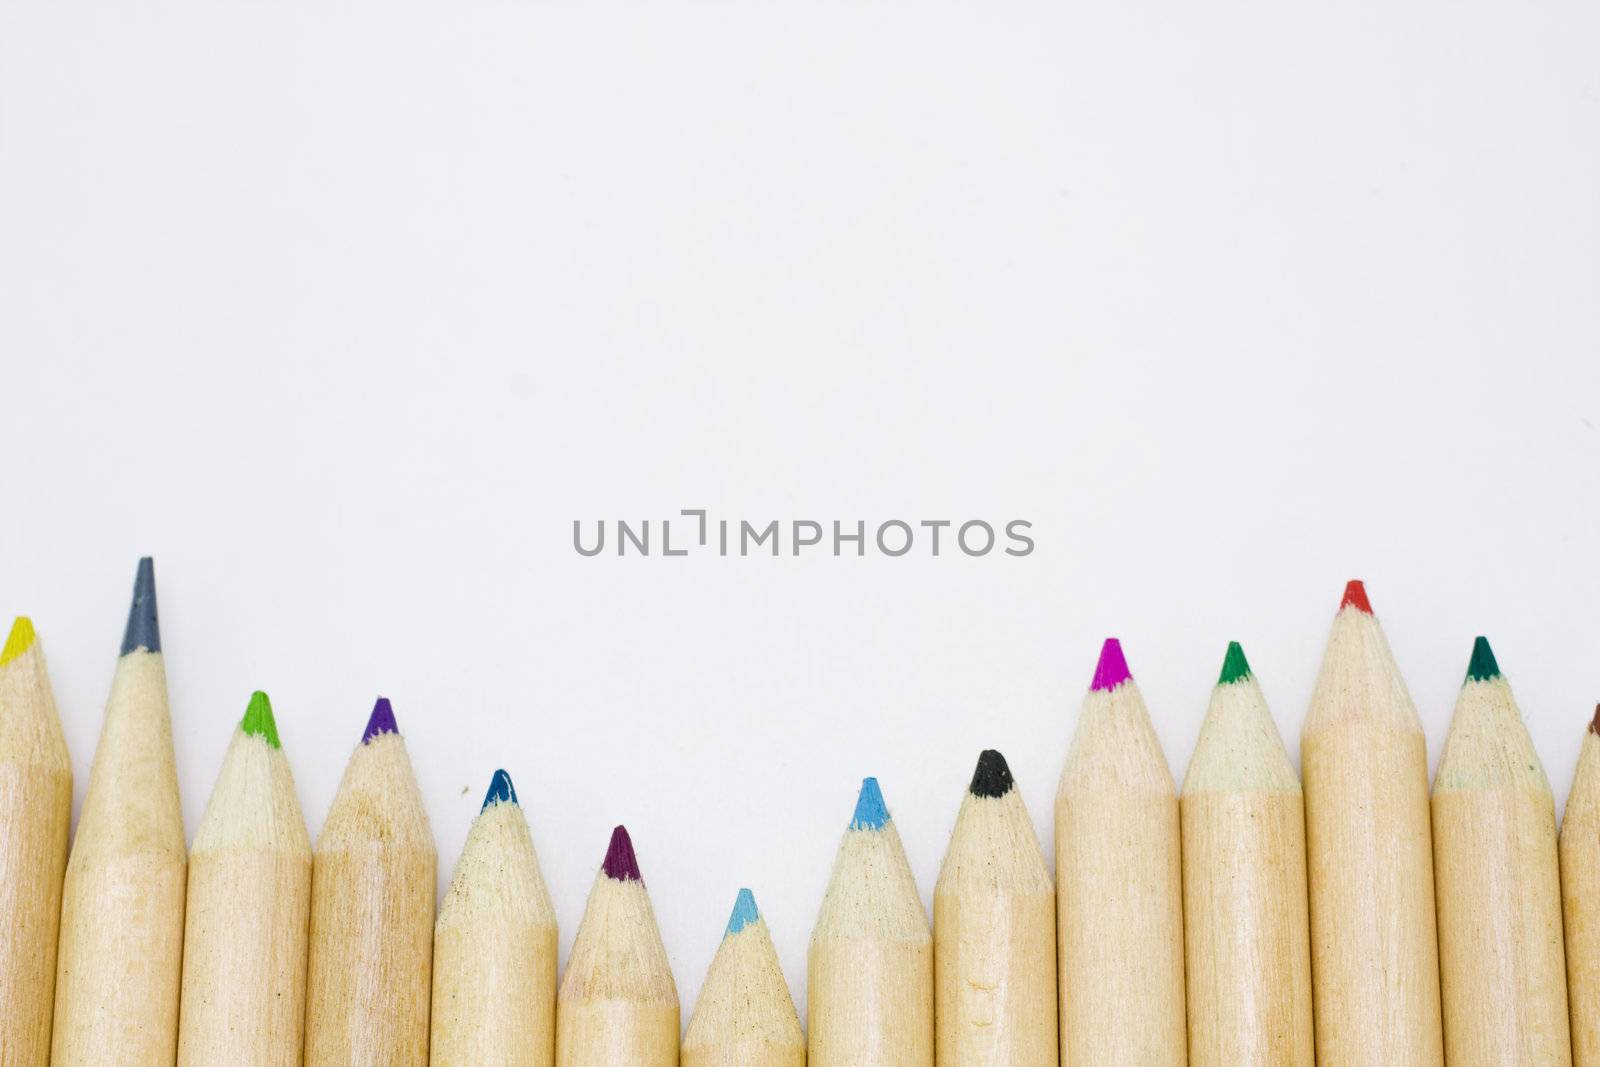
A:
(1594, 724)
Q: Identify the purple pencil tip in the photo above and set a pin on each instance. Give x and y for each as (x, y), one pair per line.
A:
(621, 865)
(1112, 670)
(381, 721)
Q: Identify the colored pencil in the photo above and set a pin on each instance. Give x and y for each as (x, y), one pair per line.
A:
(1245, 925)
(870, 970)
(244, 941)
(1119, 883)
(121, 953)
(994, 933)
(35, 808)
(494, 946)
(1369, 855)
(618, 1003)
(372, 886)
(1502, 967)
(745, 1014)
(1580, 898)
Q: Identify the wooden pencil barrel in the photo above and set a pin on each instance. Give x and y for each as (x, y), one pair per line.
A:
(1374, 948)
(1245, 930)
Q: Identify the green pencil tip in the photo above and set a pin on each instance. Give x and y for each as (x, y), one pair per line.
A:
(1483, 667)
(20, 641)
(258, 720)
(1235, 668)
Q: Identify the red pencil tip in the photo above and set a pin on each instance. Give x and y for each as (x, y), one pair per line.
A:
(1355, 596)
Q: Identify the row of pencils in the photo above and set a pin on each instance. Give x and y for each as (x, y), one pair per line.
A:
(1241, 920)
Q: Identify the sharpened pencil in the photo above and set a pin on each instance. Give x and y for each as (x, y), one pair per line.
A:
(994, 933)
(1246, 931)
(494, 947)
(373, 880)
(244, 942)
(1502, 966)
(1119, 883)
(121, 953)
(1369, 855)
(870, 968)
(618, 1003)
(35, 808)
(745, 1015)
(1580, 898)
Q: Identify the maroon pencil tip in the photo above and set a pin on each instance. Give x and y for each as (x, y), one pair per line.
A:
(1112, 670)
(1355, 596)
(621, 865)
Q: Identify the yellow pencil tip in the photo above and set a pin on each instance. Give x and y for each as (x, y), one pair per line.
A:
(20, 641)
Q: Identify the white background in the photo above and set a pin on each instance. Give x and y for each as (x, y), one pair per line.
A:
(345, 312)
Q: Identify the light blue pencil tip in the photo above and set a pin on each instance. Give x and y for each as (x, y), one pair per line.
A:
(744, 912)
(871, 812)
(501, 791)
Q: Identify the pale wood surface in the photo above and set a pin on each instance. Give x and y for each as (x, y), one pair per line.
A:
(1247, 931)
(35, 809)
(618, 1003)
(994, 941)
(745, 1015)
(1502, 964)
(870, 966)
(1119, 891)
(1369, 848)
(372, 892)
(494, 951)
(121, 951)
(246, 925)
(1580, 900)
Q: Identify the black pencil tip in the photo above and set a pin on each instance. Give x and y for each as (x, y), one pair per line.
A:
(144, 631)
(993, 776)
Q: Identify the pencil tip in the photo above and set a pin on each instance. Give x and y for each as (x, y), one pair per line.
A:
(871, 813)
(1112, 669)
(1355, 596)
(20, 640)
(258, 720)
(745, 912)
(143, 630)
(1594, 723)
(501, 791)
(993, 776)
(621, 865)
(381, 721)
(1483, 667)
(1235, 668)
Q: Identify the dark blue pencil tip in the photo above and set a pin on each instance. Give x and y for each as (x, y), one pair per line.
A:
(381, 721)
(143, 630)
(871, 812)
(745, 912)
(501, 791)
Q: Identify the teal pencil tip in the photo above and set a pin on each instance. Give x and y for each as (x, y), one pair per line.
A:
(258, 720)
(871, 812)
(1235, 668)
(745, 912)
(1483, 667)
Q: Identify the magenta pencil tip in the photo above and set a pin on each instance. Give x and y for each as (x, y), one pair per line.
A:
(1112, 670)
(381, 721)
(621, 865)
